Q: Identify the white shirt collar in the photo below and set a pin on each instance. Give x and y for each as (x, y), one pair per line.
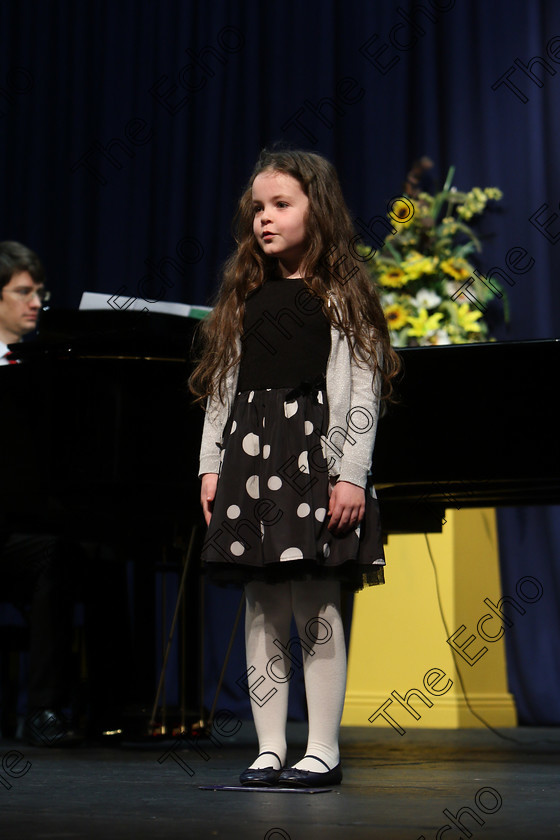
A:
(3, 350)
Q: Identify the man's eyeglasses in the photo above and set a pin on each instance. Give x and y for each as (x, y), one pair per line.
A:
(27, 294)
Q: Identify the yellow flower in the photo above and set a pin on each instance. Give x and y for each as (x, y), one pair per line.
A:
(467, 318)
(394, 277)
(417, 265)
(403, 212)
(396, 316)
(422, 324)
(456, 267)
(449, 224)
(493, 193)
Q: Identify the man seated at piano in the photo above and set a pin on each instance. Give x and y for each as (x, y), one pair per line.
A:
(34, 568)
(22, 293)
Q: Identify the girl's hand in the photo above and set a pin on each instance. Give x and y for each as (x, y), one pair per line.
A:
(347, 506)
(208, 494)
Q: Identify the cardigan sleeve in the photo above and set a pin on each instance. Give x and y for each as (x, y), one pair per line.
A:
(212, 431)
(217, 413)
(361, 421)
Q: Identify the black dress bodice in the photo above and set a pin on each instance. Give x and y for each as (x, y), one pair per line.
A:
(286, 337)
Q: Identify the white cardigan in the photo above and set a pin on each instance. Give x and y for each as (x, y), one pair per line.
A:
(353, 413)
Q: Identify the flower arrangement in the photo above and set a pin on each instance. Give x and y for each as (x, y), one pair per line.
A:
(419, 270)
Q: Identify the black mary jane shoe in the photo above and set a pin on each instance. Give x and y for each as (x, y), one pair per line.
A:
(263, 777)
(292, 777)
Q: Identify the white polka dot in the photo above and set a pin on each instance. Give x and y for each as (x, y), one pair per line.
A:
(290, 408)
(320, 514)
(303, 462)
(251, 444)
(252, 486)
(264, 422)
(292, 553)
(303, 510)
(308, 427)
(326, 550)
(233, 511)
(250, 397)
(266, 451)
(320, 397)
(237, 549)
(233, 427)
(274, 482)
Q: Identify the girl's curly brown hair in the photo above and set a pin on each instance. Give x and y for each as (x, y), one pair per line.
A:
(331, 269)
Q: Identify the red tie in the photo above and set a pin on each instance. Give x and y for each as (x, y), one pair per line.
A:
(10, 360)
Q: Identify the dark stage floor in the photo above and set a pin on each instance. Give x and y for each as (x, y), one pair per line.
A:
(394, 789)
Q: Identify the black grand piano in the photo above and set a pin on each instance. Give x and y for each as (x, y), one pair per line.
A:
(474, 427)
(106, 434)
(100, 439)
(107, 437)
(100, 446)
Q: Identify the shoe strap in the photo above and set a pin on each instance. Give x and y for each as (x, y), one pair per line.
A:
(318, 759)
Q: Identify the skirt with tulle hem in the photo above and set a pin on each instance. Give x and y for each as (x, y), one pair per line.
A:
(269, 517)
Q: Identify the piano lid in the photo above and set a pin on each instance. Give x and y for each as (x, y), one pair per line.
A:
(109, 333)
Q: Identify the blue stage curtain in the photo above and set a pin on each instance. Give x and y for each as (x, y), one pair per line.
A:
(128, 130)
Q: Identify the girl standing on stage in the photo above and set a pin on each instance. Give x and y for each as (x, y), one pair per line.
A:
(295, 360)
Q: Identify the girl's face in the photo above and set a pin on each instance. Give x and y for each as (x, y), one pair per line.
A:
(280, 209)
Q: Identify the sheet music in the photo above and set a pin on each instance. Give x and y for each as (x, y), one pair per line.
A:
(96, 300)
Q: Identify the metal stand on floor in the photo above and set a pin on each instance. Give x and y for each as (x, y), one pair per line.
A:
(226, 660)
(161, 684)
(202, 724)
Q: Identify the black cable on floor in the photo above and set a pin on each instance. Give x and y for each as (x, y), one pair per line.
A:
(465, 696)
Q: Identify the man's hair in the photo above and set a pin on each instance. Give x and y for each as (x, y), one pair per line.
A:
(16, 258)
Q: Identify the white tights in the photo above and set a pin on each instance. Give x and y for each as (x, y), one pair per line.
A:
(316, 608)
